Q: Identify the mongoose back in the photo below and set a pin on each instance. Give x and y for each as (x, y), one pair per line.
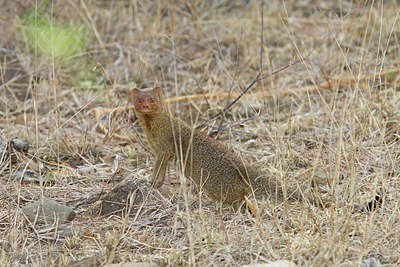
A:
(211, 165)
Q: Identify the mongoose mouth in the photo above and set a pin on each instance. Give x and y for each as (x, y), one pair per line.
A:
(146, 110)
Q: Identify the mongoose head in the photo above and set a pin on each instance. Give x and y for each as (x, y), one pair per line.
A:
(148, 101)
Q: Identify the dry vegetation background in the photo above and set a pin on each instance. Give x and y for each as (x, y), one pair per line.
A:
(333, 118)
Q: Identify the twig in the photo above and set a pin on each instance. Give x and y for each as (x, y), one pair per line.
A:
(228, 106)
(391, 76)
(260, 77)
(256, 80)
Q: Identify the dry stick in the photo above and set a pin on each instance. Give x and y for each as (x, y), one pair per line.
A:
(259, 77)
(391, 76)
(230, 90)
(256, 80)
(329, 84)
(228, 106)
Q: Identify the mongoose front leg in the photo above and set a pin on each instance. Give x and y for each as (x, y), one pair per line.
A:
(160, 169)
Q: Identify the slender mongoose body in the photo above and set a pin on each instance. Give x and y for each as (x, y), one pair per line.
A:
(211, 165)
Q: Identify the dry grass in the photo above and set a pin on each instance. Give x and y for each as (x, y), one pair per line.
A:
(345, 135)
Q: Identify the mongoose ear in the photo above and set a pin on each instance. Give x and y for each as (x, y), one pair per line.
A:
(134, 92)
(159, 92)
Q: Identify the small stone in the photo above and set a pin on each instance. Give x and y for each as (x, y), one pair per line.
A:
(371, 262)
(117, 201)
(19, 145)
(48, 211)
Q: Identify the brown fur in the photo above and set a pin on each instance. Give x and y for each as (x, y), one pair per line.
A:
(211, 165)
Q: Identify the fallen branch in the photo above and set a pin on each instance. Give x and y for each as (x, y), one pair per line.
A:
(392, 76)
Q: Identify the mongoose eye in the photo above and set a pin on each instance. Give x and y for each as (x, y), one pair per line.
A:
(139, 100)
(152, 100)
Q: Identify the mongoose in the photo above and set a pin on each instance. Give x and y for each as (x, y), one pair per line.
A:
(211, 165)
